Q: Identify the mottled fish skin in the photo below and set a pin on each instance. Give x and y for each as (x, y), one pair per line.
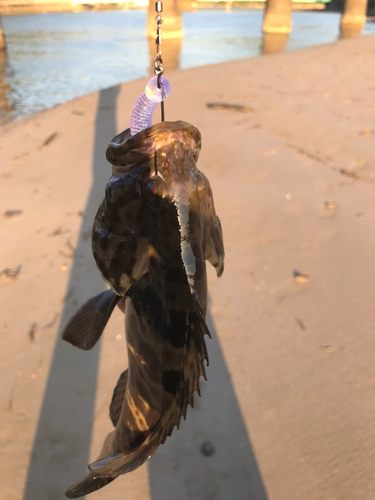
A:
(152, 234)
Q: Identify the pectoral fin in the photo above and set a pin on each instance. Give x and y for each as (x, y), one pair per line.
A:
(86, 326)
(214, 248)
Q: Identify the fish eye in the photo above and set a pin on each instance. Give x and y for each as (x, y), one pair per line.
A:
(201, 186)
(155, 190)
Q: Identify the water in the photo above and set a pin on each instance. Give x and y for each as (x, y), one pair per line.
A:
(55, 57)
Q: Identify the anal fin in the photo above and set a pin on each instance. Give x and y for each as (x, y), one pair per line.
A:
(118, 398)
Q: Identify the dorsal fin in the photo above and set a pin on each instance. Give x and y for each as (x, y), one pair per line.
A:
(86, 326)
(118, 398)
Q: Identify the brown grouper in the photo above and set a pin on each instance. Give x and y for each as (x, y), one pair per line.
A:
(152, 234)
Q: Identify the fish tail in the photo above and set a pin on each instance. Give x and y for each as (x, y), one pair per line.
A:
(89, 483)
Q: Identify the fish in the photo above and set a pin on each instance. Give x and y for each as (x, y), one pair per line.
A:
(151, 237)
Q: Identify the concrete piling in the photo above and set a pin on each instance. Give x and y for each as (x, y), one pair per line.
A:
(277, 16)
(354, 16)
(2, 37)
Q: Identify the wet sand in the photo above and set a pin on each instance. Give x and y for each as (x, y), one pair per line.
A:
(288, 146)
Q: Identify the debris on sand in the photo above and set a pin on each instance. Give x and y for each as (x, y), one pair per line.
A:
(10, 273)
(12, 213)
(300, 277)
(223, 106)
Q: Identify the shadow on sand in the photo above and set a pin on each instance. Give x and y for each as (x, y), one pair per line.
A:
(62, 443)
(180, 471)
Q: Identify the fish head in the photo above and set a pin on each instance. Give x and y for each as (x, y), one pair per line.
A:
(157, 205)
(177, 180)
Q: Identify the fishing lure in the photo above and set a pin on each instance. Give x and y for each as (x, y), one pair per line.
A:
(143, 109)
(152, 234)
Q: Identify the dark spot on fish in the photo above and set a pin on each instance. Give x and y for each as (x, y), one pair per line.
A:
(136, 413)
(104, 243)
(166, 405)
(95, 236)
(139, 218)
(171, 381)
(137, 441)
(132, 262)
(114, 217)
(175, 334)
(128, 215)
(99, 262)
(125, 232)
(167, 355)
(121, 246)
(133, 245)
(115, 261)
(154, 393)
(172, 296)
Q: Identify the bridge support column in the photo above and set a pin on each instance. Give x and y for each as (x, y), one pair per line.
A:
(354, 16)
(2, 38)
(172, 20)
(278, 16)
(274, 42)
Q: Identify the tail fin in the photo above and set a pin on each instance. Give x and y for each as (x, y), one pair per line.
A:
(86, 326)
(88, 484)
(91, 481)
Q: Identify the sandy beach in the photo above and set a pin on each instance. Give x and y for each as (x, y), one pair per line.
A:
(289, 405)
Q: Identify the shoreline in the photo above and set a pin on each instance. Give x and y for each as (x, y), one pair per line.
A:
(172, 61)
(43, 8)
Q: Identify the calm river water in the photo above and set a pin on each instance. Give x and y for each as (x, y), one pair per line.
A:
(55, 57)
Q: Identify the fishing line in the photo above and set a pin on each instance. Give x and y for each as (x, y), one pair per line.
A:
(157, 89)
(158, 65)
